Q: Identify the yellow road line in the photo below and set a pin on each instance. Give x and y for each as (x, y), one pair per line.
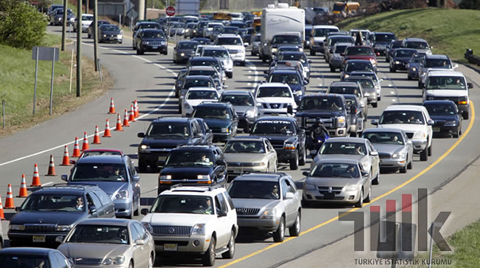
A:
(470, 125)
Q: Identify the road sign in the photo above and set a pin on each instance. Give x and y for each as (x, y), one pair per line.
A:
(170, 11)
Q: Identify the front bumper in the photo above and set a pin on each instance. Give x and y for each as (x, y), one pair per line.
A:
(111, 39)
(371, 97)
(285, 155)
(445, 129)
(154, 48)
(419, 145)
(257, 223)
(317, 47)
(180, 58)
(123, 207)
(274, 112)
(26, 239)
(392, 163)
(400, 66)
(238, 57)
(337, 132)
(223, 136)
(233, 171)
(342, 196)
(184, 243)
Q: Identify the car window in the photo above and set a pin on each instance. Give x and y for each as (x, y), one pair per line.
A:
(229, 200)
(61, 261)
(53, 202)
(103, 197)
(142, 233)
(335, 170)
(291, 184)
(402, 117)
(135, 233)
(385, 137)
(244, 146)
(284, 188)
(254, 189)
(354, 148)
(221, 200)
(92, 199)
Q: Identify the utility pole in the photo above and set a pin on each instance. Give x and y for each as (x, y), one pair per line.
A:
(79, 48)
(86, 6)
(64, 24)
(95, 35)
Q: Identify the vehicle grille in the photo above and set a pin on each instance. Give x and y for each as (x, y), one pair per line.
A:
(410, 135)
(155, 44)
(247, 211)
(180, 243)
(275, 105)
(240, 164)
(277, 144)
(240, 114)
(216, 129)
(88, 261)
(40, 227)
(172, 230)
(454, 99)
(384, 155)
(328, 122)
(324, 190)
(163, 146)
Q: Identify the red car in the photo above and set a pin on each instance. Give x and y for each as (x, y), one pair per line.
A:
(360, 53)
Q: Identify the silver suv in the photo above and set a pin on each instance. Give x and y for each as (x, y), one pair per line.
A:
(195, 219)
(267, 202)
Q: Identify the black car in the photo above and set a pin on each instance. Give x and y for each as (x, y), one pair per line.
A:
(220, 117)
(200, 28)
(53, 211)
(446, 117)
(110, 33)
(151, 40)
(196, 81)
(143, 25)
(286, 136)
(179, 80)
(401, 58)
(99, 23)
(380, 41)
(57, 17)
(202, 40)
(391, 48)
(184, 50)
(356, 65)
(33, 257)
(245, 105)
(197, 164)
(209, 61)
(166, 133)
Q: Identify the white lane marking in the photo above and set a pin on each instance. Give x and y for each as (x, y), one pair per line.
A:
(394, 100)
(390, 85)
(392, 92)
(72, 142)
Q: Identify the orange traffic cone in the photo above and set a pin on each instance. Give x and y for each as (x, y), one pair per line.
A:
(112, 107)
(107, 133)
(125, 119)
(85, 142)
(76, 148)
(119, 123)
(131, 118)
(135, 105)
(23, 188)
(36, 177)
(9, 200)
(96, 137)
(2, 215)
(51, 167)
(66, 158)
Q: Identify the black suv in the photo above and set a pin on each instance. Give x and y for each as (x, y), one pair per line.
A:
(53, 211)
(200, 164)
(220, 117)
(330, 108)
(151, 40)
(165, 134)
(287, 138)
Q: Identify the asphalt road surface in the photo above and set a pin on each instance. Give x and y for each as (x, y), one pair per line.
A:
(149, 79)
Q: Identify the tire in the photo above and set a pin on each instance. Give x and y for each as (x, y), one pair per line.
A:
(296, 228)
(89, 36)
(423, 155)
(294, 163)
(353, 134)
(252, 54)
(375, 104)
(242, 63)
(359, 204)
(264, 59)
(393, 70)
(409, 77)
(376, 181)
(303, 159)
(130, 265)
(456, 135)
(429, 150)
(420, 84)
(465, 115)
(403, 170)
(369, 197)
(165, 53)
(279, 234)
(379, 99)
(313, 53)
(208, 258)
(306, 203)
(231, 247)
(138, 52)
(410, 164)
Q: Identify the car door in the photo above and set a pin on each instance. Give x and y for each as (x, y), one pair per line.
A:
(207, 133)
(220, 170)
(290, 204)
(271, 154)
(223, 227)
(140, 253)
(375, 158)
(301, 136)
(134, 182)
(108, 206)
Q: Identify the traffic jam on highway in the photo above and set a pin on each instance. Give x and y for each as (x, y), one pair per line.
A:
(235, 162)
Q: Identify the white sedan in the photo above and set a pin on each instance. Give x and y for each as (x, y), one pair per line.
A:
(195, 96)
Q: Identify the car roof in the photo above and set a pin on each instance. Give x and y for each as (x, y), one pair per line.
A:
(414, 39)
(215, 48)
(202, 89)
(103, 150)
(324, 27)
(247, 138)
(287, 70)
(359, 77)
(345, 139)
(193, 190)
(344, 84)
(228, 35)
(203, 58)
(66, 188)
(273, 177)
(27, 251)
(337, 161)
(275, 84)
(237, 92)
(276, 118)
(199, 77)
(445, 73)
(172, 119)
(106, 221)
(323, 95)
(405, 108)
(188, 41)
(215, 104)
(109, 159)
(398, 130)
(439, 102)
(437, 56)
(202, 67)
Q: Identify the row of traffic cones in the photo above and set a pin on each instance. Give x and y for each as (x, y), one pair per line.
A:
(9, 200)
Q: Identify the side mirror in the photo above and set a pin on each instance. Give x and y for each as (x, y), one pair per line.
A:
(455, 66)
(265, 76)
(245, 44)
(289, 196)
(140, 242)
(221, 213)
(92, 209)
(374, 122)
(430, 122)
(380, 80)
(141, 135)
(259, 105)
(306, 173)
(225, 86)
(59, 239)
(144, 211)
(342, 54)
(64, 177)
(309, 61)
(470, 85)
(290, 109)
(136, 178)
(220, 162)
(374, 153)
(364, 174)
(72, 162)
(161, 163)
(175, 48)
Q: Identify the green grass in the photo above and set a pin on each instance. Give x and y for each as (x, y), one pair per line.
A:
(448, 31)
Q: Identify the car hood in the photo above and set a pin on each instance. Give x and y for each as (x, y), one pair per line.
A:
(405, 127)
(176, 219)
(360, 158)
(109, 187)
(168, 142)
(242, 109)
(359, 57)
(275, 100)
(332, 182)
(111, 32)
(233, 47)
(254, 203)
(213, 122)
(187, 51)
(402, 59)
(53, 217)
(196, 102)
(241, 157)
(387, 148)
(320, 113)
(444, 117)
(447, 93)
(153, 39)
(318, 39)
(185, 172)
(81, 251)
(296, 87)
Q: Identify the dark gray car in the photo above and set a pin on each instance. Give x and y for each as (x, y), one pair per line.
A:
(245, 106)
(183, 51)
(109, 33)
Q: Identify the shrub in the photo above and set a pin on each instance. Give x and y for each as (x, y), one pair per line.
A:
(21, 25)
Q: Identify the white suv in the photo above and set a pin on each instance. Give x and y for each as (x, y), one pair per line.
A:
(415, 121)
(235, 46)
(275, 99)
(196, 219)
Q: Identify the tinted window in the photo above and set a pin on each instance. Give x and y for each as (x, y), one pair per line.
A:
(245, 146)
(401, 117)
(100, 234)
(273, 127)
(197, 95)
(265, 92)
(96, 202)
(212, 112)
(343, 148)
(103, 197)
(385, 137)
(238, 100)
(168, 129)
(362, 51)
(185, 158)
(335, 170)
(21, 261)
(53, 202)
(440, 108)
(99, 172)
(254, 189)
(183, 204)
(321, 104)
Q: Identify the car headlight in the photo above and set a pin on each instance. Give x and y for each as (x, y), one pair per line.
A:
(274, 50)
(373, 61)
(397, 62)
(148, 226)
(346, 76)
(145, 42)
(414, 69)
(163, 43)
(186, 105)
(450, 124)
(182, 54)
(123, 194)
(366, 94)
(165, 177)
(430, 97)
(298, 92)
(119, 36)
(250, 113)
(203, 177)
(419, 135)
(114, 261)
(341, 121)
(63, 228)
(289, 146)
(398, 155)
(301, 49)
(17, 227)
(353, 187)
(72, 19)
(225, 130)
(257, 164)
(269, 213)
(144, 148)
(199, 229)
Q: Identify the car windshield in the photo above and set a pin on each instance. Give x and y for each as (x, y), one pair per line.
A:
(231, 30)
(416, 45)
(365, 74)
(153, 34)
(359, 51)
(323, 32)
(189, 204)
(217, 53)
(342, 39)
(253, 147)
(229, 41)
(286, 39)
(187, 45)
(385, 137)
(446, 82)
(340, 49)
(254, 189)
(257, 38)
(212, 112)
(359, 66)
(14, 260)
(99, 172)
(46, 202)
(326, 170)
(296, 57)
(237, 100)
(272, 92)
(202, 94)
(110, 28)
(402, 117)
(354, 148)
(345, 90)
(196, 83)
(212, 73)
(438, 63)
(365, 83)
(166, 129)
(148, 26)
(291, 79)
(204, 63)
(384, 38)
(87, 18)
(321, 104)
(351, 101)
(273, 127)
(402, 53)
(100, 152)
(440, 108)
(100, 234)
(188, 158)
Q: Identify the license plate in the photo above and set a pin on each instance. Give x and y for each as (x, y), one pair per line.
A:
(329, 195)
(162, 158)
(170, 247)
(436, 129)
(154, 47)
(39, 239)
(237, 170)
(275, 114)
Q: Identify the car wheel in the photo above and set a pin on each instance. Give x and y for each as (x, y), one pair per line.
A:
(375, 105)
(391, 70)
(132, 212)
(279, 234)
(379, 98)
(403, 169)
(294, 163)
(138, 51)
(369, 197)
(429, 149)
(312, 52)
(456, 135)
(409, 77)
(231, 247)
(208, 258)
(130, 265)
(420, 84)
(89, 36)
(410, 164)
(423, 155)
(465, 115)
(359, 204)
(303, 160)
(151, 261)
(242, 63)
(296, 227)
(376, 181)
(353, 134)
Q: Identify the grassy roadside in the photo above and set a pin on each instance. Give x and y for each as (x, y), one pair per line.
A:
(448, 31)
(17, 70)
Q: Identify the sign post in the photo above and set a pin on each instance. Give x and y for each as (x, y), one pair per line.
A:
(44, 53)
(170, 11)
